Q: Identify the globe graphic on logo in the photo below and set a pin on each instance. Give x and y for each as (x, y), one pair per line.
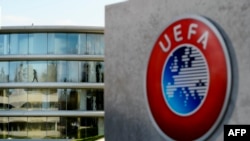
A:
(185, 80)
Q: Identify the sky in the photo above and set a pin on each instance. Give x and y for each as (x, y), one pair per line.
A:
(54, 12)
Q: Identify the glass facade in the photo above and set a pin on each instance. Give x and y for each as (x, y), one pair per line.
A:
(48, 127)
(54, 71)
(52, 43)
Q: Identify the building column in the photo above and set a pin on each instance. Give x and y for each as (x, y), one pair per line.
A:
(56, 126)
(92, 72)
(82, 103)
(82, 100)
(100, 126)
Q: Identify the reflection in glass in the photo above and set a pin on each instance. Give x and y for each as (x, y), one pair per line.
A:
(95, 100)
(53, 127)
(57, 43)
(52, 71)
(102, 72)
(100, 44)
(99, 72)
(82, 99)
(4, 127)
(37, 99)
(72, 127)
(37, 71)
(79, 128)
(18, 43)
(73, 43)
(18, 127)
(4, 100)
(52, 43)
(86, 127)
(4, 72)
(82, 44)
(37, 127)
(53, 100)
(62, 99)
(4, 43)
(67, 71)
(72, 68)
(95, 44)
(85, 71)
(68, 99)
(62, 71)
(38, 43)
(62, 127)
(72, 100)
(79, 99)
(91, 100)
(18, 71)
(99, 99)
(18, 99)
(92, 72)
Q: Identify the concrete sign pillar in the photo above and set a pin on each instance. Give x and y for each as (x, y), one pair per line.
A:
(131, 30)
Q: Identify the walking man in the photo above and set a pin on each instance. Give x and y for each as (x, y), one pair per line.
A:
(35, 76)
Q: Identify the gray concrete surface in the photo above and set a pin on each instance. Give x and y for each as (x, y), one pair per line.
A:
(131, 29)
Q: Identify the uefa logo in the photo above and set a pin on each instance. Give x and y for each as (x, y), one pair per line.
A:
(189, 79)
(185, 79)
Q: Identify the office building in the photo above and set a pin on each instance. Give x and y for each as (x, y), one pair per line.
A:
(52, 81)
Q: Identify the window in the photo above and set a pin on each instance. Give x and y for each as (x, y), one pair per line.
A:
(57, 43)
(4, 72)
(18, 71)
(19, 43)
(38, 43)
(4, 43)
(73, 43)
(95, 44)
(37, 71)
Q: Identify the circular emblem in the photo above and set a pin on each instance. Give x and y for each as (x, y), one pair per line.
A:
(185, 79)
(188, 80)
